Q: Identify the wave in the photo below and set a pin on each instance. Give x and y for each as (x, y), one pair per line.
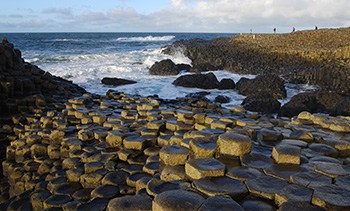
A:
(146, 39)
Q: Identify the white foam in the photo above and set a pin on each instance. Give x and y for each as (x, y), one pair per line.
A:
(146, 39)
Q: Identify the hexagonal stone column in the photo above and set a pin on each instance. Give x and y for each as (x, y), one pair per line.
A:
(286, 154)
(234, 144)
(174, 155)
(205, 167)
(179, 200)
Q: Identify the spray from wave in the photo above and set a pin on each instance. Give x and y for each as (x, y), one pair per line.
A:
(146, 39)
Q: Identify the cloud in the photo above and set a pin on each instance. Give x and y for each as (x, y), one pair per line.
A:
(205, 16)
(59, 11)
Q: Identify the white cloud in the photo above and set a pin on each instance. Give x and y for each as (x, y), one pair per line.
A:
(210, 16)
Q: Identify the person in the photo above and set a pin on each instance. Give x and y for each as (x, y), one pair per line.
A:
(251, 31)
(274, 30)
(316, 27)
(293, 29)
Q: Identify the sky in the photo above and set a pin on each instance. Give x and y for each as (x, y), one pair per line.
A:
(227, 16)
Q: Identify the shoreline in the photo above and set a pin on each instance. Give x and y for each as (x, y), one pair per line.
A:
(116, 151)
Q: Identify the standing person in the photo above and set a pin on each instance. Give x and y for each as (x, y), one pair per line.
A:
(293, 29)
(274, 30)
(251, 31)
(316, 27)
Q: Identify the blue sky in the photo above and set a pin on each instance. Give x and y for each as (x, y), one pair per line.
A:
(171, 15)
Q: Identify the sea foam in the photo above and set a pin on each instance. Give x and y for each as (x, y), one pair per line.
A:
(146, 39)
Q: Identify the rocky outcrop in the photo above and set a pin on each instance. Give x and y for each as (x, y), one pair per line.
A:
(164, 67)
(116, 81)
(262, 83)
(318, 101)
(27, 88)
(317, 57)
(263, 102)
(226, 83)
(168, 67)
(202, 81)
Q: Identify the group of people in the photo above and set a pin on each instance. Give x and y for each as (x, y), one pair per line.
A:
(293, 29)
(275, 30)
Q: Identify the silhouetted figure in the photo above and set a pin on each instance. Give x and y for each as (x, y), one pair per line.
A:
(251, 31)
(293, 29)
(316, 27)
(274, 30)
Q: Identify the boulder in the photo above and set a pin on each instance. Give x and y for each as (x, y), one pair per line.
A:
(202, 81)
(262, 102)
(116, 81)
(164, 67)
(300, 102)
(222, 99)
(270, 83)
(182, 67)
(227, 83)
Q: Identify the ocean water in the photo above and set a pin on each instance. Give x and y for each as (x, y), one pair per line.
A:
(86, 58)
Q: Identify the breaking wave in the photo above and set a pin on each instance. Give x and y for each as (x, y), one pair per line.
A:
(146, 39)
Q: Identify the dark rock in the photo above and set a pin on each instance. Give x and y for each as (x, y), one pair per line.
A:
(317, 101)
(204, 68)
(202, 81)
(219, 186)
(227, 83)
(331, 197)
(164, 67)
(262, 102)
(116, 81)
(181, 67)
(298, 103)
(222, 99)
(177, 200)
(270, 83)
(220, 203)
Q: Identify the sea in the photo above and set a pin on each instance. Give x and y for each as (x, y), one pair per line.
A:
(86, 58)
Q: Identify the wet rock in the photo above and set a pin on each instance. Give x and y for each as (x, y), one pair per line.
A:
(165, 67)
(298, 103)
(251, 204)
(105, 191)
(205, 167)
(202, 81)
(218, 186)
(265, 186)
(178, 200)
(292, 206)
(234, 144)
(331, 197)
(262, 83)
(226, 83)
(293, 193)
(220, 203)
(330, 169)
(56, 201)
(222, 99)
(116, 81)
(136, 202)
(243, 173)
(263, 102)
(156, 186)
(283, 171)
(258, 161)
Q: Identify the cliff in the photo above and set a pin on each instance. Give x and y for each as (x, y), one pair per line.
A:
(318, 57)
(25, 88)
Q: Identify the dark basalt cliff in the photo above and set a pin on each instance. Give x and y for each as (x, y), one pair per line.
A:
(25, 88)
(318, 57)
